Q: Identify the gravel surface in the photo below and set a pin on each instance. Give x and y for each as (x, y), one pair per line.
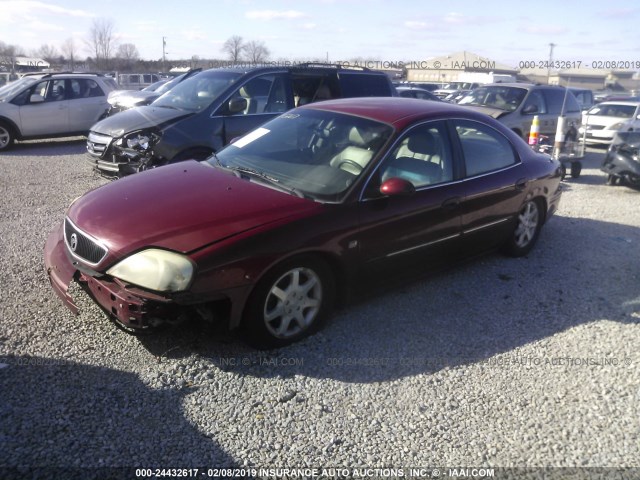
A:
(498, 362)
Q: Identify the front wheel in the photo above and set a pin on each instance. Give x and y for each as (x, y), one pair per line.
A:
(289, 303)
(6, 137)
(527, 229)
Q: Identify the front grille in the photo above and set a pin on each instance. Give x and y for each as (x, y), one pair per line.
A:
(97, 144)
(82, 245)
(595, 127)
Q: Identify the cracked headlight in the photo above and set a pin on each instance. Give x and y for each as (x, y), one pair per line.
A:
(155, 269)
(140, 140)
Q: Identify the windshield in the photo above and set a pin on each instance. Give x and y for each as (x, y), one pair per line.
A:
(316, 154)
(502, 98)
(613, 110)
(198, 92)
(14, 87)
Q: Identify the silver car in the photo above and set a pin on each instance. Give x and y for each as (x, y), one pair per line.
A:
(52, 105)
(515, 105)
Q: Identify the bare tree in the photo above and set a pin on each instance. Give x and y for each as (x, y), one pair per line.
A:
(48, 53)
(234, 47)
(69, 51)
(102, 41)
(127, 55)
(8, 54)
(128, 51)
(257, 51)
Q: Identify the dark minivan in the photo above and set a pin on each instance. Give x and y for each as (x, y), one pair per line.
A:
(207, 111)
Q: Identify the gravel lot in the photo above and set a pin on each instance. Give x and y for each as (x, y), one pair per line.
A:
(497, 363)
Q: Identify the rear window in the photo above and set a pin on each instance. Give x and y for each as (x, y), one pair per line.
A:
(364, 85)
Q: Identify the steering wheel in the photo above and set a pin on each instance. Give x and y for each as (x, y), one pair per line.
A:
(346, 161)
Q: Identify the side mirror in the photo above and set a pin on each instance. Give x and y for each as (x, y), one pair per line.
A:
(35, 98)
(397, 187)
(237, 105)
(529, 109)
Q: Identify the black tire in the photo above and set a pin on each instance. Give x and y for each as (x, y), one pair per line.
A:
(7, 136)
(289, 303)
(527, 231)
(576, 168)
(612, 180)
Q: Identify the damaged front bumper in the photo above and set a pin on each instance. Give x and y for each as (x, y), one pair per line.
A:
(131, 307)
(109, 156)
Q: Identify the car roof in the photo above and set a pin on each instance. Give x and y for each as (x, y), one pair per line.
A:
(410, 87)
(396, 111)
(619, 102)
(300, 67)
(526, 86)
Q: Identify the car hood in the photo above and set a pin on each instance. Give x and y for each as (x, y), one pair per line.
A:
(602, 121)
(492, 112)
(131, 96)
(137, 119)
(181, 207)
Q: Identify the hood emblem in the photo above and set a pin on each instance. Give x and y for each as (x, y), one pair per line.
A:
(73, 242)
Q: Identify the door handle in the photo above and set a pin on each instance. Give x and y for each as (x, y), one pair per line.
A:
(451, 203)
(521, 184)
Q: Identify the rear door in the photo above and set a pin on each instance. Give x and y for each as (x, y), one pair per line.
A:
(87, 103)
(494, 184)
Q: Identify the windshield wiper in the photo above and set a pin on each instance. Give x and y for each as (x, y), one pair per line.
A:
(240, 171)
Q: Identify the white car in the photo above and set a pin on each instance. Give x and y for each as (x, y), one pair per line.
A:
(602, 121)
(52, 105)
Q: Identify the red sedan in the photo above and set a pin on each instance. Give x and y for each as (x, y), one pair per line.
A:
(288, 219)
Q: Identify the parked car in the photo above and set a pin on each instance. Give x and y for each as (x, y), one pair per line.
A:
(601, 123)
(453, 87)
(205, 112)
(456, 96)
(137, 81)
(120, 100)
(416, 92)
(300, 212)
(52, 105)
(622, 162)
(515, 105)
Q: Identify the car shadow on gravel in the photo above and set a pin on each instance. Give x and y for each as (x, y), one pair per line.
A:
(466, 315)
(85, 418)
(50, 148)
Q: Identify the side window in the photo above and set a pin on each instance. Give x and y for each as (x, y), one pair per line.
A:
(313, 88)
(55, 91)
(423, 157)
(484, 148)
(534, 104)
(85, 88)
(364, 85)
(264, 94)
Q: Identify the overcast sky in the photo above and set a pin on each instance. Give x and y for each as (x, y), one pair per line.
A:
(340, 30)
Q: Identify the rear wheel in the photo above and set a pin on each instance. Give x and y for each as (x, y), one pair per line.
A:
(6, 136)
(527, 230)
(576, 168)
(612, 180)
(289, 303)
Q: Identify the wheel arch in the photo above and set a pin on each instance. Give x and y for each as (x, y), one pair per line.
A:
(12, 125)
